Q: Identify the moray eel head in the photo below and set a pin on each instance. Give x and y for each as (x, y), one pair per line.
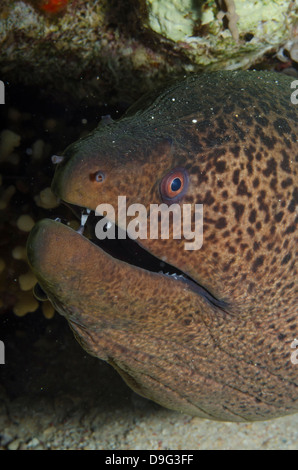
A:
(209, 330)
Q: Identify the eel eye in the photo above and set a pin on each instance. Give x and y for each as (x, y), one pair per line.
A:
(174, 185)
(99, 176)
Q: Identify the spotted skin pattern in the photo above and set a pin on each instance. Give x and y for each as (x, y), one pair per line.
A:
(236, 135)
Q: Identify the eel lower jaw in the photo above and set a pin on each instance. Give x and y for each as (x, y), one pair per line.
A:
(133, 253)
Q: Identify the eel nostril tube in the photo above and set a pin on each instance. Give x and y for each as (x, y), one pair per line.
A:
(57, 159)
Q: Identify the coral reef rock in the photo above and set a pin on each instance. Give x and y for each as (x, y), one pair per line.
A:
(108, 50)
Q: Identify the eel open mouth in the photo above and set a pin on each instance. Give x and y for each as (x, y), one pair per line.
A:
(131, 252)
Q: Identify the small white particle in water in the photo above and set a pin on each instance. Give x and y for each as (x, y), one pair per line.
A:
(84, 121)
(152, 117)
(173, 99)
(194, 121)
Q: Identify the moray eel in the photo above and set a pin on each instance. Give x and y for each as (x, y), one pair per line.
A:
(209, 332)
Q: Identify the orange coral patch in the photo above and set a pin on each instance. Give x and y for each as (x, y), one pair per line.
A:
(53, 6)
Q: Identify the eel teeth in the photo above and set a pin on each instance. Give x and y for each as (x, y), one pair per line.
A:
(84, 218)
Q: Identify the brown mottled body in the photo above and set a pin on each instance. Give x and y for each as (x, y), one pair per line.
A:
(236, 135)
